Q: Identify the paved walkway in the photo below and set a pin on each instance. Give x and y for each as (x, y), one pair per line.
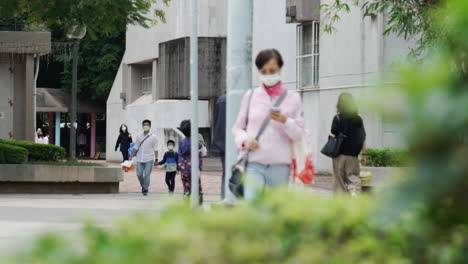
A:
(23, 217)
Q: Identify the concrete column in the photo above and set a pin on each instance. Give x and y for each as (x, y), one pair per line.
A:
(154, 81)
(194, 99)
(93, 135)
(239, 72)
(30, 100)
(57, 129)
(50, 116)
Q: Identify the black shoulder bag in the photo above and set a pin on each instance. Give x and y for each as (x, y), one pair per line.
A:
(332, 147)
(236, 182)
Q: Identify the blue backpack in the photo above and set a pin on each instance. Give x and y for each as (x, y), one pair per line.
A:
(130, 149)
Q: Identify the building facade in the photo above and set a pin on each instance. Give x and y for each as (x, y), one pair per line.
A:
(153, 80)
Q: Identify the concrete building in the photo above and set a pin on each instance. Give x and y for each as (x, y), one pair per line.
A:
(19, 57)
(317, 64)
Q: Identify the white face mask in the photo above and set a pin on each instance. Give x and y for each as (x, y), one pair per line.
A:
(124, 129)
(270, 80)
(146, 128)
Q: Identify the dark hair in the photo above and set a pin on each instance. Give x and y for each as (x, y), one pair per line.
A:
(346, 105)
(185, 127)
(170, 141)
(266, 55)
(123, 125)
(146, 121)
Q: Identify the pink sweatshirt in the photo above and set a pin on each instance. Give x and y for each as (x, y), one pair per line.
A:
(275, 142)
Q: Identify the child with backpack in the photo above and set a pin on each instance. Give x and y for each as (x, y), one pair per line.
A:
(171, 159)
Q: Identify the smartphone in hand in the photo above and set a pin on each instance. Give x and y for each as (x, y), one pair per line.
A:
(275, 109)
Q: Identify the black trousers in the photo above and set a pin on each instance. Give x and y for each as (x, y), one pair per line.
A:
(125, 155)
(170, 180)
(223, 177)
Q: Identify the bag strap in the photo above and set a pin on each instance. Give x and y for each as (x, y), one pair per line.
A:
(267, 119)
(144, 141)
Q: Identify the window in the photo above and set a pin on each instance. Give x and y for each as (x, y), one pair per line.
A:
(146, 78)
(308, 55)
(142, 78)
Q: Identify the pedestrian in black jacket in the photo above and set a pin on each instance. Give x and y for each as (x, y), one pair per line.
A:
(349, 125)
(124, 140)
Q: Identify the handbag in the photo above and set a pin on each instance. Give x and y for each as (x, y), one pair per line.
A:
(333, 145)
(238, 170)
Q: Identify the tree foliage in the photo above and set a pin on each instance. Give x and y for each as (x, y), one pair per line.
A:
(410, 19)
(99, 16)
(99, 60)
(100, 51)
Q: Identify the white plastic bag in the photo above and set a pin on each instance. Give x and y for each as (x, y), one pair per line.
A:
(303, 169)
(127, 164)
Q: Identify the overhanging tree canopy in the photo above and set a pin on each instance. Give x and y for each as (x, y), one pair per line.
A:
(104, 16)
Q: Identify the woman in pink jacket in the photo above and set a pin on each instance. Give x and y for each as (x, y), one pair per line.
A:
(269, 163)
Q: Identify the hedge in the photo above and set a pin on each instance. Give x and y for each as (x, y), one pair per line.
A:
(284, 228)
(38, 151)
(387, 157)
(10, 154)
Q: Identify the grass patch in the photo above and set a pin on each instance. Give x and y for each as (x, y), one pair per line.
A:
(66, 163)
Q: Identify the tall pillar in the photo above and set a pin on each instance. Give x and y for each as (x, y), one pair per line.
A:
(57, 129)
(93, 135)
(50, 116)
(194, 99)
(239, 72)
(30, 100)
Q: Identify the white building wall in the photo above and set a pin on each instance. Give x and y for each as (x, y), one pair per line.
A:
(271, 31)
(142, 46)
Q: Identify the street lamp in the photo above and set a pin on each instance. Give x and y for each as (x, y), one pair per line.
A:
(75, 33)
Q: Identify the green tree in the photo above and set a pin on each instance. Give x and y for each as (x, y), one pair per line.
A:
(99, 16)
(99, 61)
(410, 19)
(100, 51)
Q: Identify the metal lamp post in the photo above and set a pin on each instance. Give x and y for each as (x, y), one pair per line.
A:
(76, 33)
(194, 98)
(239, 72)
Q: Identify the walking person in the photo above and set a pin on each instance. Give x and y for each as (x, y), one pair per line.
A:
(171, 159)
(219, 138)
(124, 140)
(348, 124)
(270, 155)
(185, 161)
(146, 152)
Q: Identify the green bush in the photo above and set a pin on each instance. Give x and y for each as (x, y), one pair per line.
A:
(38, 151)
(284, 228)
(10, 154)
(386, 157)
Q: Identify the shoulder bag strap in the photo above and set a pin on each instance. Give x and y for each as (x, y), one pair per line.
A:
(144, 141)
(266, 121)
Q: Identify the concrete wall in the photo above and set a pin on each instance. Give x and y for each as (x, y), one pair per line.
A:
(142, 46)
(17, 100)
(271, 31)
